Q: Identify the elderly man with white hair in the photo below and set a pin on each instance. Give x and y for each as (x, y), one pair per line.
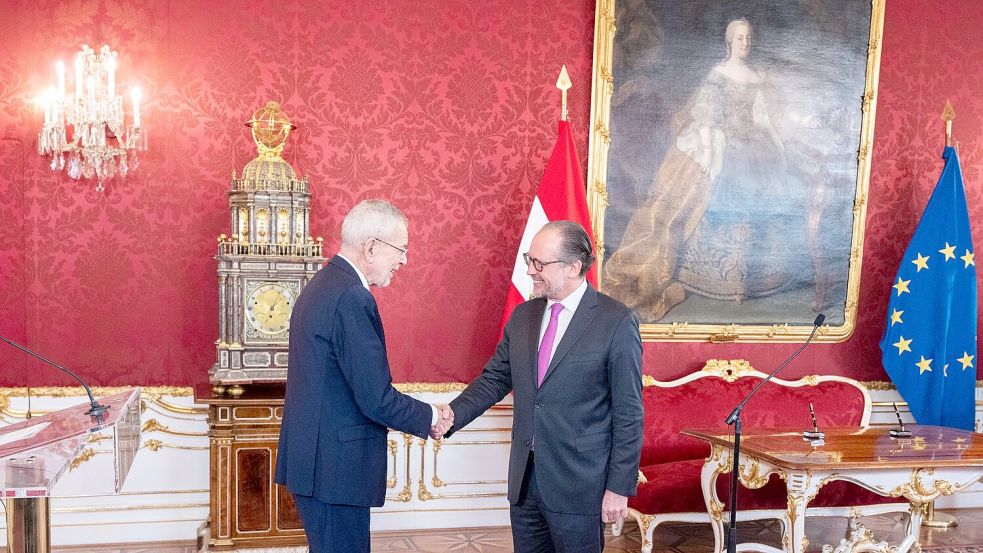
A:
(340, 401)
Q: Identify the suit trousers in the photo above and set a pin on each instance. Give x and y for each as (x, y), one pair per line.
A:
(537, 529)
(333, 528)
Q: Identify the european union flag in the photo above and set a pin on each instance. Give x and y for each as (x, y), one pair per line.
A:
(929, 344)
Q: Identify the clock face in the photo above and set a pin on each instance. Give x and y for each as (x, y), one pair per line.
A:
(268, 308)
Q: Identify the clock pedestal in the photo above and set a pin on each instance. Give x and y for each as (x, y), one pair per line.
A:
(247, 508)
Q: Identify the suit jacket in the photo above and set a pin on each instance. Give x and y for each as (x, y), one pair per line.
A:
(340, 399)
(587, 415)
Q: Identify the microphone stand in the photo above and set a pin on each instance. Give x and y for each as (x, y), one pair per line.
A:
(95, 409)
(735, 419)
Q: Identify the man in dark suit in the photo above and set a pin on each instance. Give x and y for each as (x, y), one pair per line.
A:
(573, 359)
(340, 399)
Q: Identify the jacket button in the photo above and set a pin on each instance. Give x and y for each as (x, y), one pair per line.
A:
(537, 404)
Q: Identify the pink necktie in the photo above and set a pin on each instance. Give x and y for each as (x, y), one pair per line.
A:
(546, 346)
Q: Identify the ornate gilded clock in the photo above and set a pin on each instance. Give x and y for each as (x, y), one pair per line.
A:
(266, 262)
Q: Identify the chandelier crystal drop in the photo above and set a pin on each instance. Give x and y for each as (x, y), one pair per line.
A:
(85, 131)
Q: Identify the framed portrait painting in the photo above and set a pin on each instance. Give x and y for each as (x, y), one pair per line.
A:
(729, 162)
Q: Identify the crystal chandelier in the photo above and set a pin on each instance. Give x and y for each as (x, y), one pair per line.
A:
(84, 132)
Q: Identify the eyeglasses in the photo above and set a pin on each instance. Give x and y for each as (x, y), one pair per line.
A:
(537, 264)
(400, 250)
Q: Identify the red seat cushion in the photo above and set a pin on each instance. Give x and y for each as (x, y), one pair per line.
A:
(675, 488)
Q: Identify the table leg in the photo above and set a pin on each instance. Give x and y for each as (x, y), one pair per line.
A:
(916, 513)
(801, 490)
(718, 463)
(28, 530)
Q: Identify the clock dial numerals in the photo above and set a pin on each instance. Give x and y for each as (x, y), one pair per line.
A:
(268, 308)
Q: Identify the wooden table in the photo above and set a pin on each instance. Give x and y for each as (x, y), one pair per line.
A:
(936, 461)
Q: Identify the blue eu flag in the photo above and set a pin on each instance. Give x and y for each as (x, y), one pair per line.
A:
(929, 344)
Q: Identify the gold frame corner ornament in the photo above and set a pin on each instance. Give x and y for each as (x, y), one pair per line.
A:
(599, 145)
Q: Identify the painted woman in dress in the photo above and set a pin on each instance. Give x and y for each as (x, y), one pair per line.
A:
(711, 225)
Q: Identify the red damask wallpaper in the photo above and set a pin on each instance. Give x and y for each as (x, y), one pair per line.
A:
(446, 108)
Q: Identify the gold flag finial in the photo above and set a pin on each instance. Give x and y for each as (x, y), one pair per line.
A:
(948, 114)
(564, 84)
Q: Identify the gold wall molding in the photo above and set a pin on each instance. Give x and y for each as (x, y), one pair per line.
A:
(157, 445)
(72, 391)
(434, 387)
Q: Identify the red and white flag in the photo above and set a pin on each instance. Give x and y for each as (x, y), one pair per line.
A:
(561, 195)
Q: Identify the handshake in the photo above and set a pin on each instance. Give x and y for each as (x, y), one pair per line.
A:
(445, 420)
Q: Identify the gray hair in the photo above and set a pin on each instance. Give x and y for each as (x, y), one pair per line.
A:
(732, 30)
(575, 244)
(370, 219)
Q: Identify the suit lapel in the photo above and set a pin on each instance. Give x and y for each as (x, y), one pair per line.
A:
(535, 324)
(582, 318)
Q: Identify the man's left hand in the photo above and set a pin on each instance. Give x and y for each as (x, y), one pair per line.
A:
(613, 507)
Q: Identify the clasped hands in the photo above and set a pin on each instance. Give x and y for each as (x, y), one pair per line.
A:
(445, 420)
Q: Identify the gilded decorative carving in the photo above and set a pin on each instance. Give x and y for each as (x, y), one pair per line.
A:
(435, 387)
(602, 192)
(391, 481)
(82, 457)
(861, 540)
(157, 445)
(646, 523)
(776, 329)
(751, 475)
(648, 380)
(916, 489)
(406, 493)
(716, 510)
(603, 132)
(728, 369)
(153, 426)
(424, 494)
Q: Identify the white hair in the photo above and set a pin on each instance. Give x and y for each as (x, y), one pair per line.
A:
(732, 29)
(370, 219)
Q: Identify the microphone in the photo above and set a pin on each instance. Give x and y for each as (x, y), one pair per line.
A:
(735, 419)
(95, 409)
(737, 410)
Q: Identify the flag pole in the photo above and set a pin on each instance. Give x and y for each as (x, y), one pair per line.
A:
(564, 84)
(948, 114)
(934, 519)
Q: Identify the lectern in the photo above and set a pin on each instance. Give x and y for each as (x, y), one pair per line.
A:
(35, 455)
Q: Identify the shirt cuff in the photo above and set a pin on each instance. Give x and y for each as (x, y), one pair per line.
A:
(433, 416)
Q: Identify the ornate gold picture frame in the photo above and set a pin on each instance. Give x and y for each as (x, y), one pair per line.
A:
(729, 163)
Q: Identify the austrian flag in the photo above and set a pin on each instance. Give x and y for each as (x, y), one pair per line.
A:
(561, 195)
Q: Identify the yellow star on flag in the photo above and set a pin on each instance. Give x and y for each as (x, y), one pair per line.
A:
(902, 286)
(902, 345)
(924, 365)
(966, 360)
(896, 317)
(948, 251)
(921, 262)
(968, 258)
(945, 369)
